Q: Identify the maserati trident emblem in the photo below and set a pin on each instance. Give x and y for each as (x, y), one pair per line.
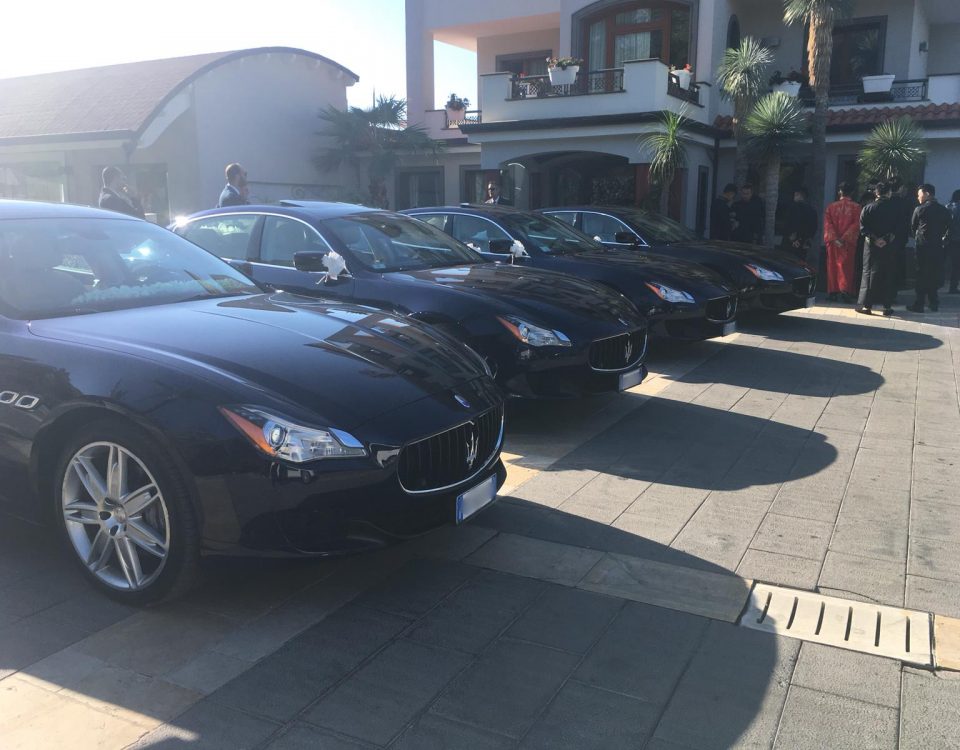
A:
(473, 446)
(461, 400)
(628, 351)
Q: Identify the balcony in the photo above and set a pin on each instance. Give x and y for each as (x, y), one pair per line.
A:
(639, 86)
(849, 94)
(440, 127)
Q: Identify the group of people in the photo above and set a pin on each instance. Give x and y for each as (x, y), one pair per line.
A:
(738, 219)
(116, 194)
(879, 227)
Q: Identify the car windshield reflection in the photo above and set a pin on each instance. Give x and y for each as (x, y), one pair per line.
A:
(548, 235)
(384, 243)
(660, 230)
(78, 266)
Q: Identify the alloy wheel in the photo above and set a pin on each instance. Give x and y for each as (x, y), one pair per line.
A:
(115, 516)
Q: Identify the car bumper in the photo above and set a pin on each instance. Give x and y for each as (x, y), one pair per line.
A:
(696, 323)
(783, 296)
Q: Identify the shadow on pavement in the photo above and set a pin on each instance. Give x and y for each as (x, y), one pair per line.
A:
(838, 333)
(686, 445)
(436, 653)
(785, 372)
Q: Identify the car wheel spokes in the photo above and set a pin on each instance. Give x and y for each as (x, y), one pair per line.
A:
(121, 535)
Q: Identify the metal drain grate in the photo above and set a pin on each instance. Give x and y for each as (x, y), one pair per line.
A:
(858, 626)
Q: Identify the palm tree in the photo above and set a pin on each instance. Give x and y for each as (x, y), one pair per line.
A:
(374, 139)
(776, 121)
(742, 78)
(819, 16)
(668, 152)
(894, 148)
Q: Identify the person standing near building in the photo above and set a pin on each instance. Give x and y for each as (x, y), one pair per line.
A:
(930, 223)
(878, 225)
(841, 232)
(904, 204)
(233, 192)
(493, 195)
(800, 225)
(952, 241)
(116, 195)
(721, 214)
(748, 217)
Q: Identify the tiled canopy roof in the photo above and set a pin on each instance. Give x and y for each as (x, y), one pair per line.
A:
(109, 101)
(867, 117)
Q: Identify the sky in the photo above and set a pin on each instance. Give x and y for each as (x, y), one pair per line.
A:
(366, 36)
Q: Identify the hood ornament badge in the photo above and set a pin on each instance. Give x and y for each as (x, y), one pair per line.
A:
(473, 446)
(461, 400)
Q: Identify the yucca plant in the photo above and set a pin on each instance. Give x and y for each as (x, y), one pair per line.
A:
(894, 148)
(372, 140)
(776, 121)
(667, 149)
(819, 16)
(742, 79)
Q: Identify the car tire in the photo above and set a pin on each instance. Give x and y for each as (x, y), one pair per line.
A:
(124, 510)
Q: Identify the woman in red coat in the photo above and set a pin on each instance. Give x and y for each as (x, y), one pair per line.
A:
(841, 229)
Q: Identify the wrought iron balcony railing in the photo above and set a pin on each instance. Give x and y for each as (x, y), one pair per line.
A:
(690, 94)
(470, 117)
(852, 93)
(606, 81)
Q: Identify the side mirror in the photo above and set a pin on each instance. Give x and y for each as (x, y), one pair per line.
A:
(625, 238)
(501, 247)
(310, 261)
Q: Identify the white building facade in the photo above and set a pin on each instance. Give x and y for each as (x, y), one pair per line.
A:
(173, 125)
(555, 145)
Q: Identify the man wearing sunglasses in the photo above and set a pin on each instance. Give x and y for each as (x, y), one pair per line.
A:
(493, 195)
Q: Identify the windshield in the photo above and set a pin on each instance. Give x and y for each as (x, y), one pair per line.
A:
(53, 267)
(659, 230)
(387, 242)
(547, 234)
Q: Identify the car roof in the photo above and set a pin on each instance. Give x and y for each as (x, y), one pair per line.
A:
(485, 209)
(598, 209)
(299, 209)
(10, 209)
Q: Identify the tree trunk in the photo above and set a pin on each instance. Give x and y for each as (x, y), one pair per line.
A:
(771, 195)
(741, 168)
(820, 54)
(665, 196)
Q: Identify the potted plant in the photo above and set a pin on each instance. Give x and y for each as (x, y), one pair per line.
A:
(684, 75)
(789, 85)
(456, 109)
(563, 70)
(878, 84)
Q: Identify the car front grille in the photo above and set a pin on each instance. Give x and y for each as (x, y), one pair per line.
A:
(804, 286)
(618, 352)
(451, 457)
(722, 309)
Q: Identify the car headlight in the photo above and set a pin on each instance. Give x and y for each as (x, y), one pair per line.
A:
(668, 294)
(764, 274)
(280, 438)
(533, 335)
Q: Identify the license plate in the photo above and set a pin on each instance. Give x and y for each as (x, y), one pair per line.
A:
(630, 379)
(729, 328)
(811, 301)
(477, 498)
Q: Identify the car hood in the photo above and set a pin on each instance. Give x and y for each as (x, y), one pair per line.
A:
(526, 289)
(775, 260)
(613, 265)
(344, 363)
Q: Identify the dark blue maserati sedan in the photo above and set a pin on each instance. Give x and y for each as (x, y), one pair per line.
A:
(156, 404)
(681, 300)
(768, 279)
(542, 334)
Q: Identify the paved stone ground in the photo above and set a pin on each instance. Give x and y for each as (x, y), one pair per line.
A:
(816, 450)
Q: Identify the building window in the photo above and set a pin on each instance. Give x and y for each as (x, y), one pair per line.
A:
(421, 187)
(524, 63)
(733, 33)
(638, 31)
(35, 180)
(858, 50)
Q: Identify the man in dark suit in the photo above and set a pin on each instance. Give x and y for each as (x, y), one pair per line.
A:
(235, 191)
(930, 223)
(749, 215)
(116, 195)
(493, 195)
(878, 226)
(721, 214)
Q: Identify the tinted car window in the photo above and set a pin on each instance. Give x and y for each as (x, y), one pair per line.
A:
(435, 220)
(282, 237)
(547, 234)
(51, 267)
(567, 217)
(604, 227)
(384, 243)
(477, 232)
(226, 236)
(661, 230)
